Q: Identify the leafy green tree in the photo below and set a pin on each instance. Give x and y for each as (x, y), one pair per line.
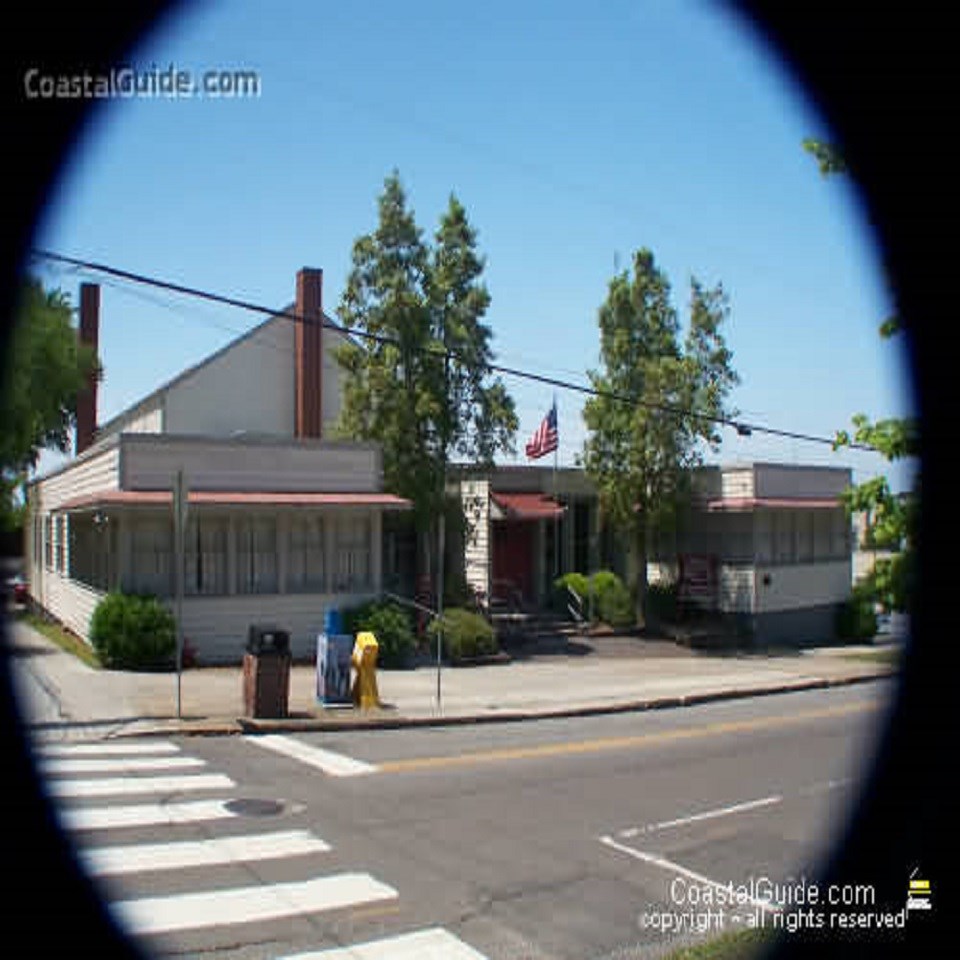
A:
(640, 453)
(420, 384)
(46, 368)
(892, 521)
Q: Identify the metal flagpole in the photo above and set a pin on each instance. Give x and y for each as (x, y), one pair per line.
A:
(556, 516)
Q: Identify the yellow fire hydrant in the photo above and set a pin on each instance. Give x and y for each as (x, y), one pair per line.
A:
(364, 691)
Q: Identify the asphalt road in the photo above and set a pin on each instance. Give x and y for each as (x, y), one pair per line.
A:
(553, 840)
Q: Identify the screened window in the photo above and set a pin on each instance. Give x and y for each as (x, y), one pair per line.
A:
(152, 556)
(257, 555)
(840, 539)
(61, 544)
(305, 556)
(353, 554)
(205, 556)
(48, 542)
(784, 536)
(805, 535)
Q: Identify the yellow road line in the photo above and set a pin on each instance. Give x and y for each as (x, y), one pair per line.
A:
(616, 743)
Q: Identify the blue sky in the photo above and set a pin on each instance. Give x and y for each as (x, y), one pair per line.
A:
(573, 135)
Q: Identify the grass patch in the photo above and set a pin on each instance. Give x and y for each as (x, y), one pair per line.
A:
(63, 638)
(736, 945)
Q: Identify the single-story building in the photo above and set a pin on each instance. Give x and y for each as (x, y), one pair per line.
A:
(282, 523)
(768, 545)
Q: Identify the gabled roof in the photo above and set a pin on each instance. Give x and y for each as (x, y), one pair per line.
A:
(287, 314)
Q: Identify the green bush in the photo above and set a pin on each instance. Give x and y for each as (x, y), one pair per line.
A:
(857, 618)
(132, 632)
(613, 600)
(390, 623)
(579, 583)
(465, 635)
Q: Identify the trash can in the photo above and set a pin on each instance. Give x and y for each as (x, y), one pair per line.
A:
(266, 672)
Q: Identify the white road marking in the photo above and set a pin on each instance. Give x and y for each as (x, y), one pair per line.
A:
(335, 764)
(432, 944)
(141, 858)
(104, 749)
(665, 864)
(70, 765)
(826, 786)
(132, 785)
(215, 908)
(705, 815)
(143, 815)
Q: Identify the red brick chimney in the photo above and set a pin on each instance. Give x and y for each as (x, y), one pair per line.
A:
(89, 334)
(308, 351)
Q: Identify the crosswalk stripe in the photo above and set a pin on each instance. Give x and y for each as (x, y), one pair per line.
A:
(432, 944)
(57, 765)
(214, 908)
(335, 764)
(104, 749)
(145, 857)
(109, 786)
(143, 815)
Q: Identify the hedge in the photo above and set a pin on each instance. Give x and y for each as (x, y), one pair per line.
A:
(392, 626)
(131, 632)
(466, 635)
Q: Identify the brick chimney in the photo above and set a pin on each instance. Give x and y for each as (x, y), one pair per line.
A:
(89, 334)
(308, 351)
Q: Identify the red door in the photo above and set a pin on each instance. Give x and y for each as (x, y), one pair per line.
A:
(513, 558)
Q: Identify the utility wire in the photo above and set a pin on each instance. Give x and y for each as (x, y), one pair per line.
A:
(742, 427)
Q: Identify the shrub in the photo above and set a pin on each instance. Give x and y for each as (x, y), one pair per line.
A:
(465, 635)
(390, 623)
(856, 617)
(613, 599)
(132, 632)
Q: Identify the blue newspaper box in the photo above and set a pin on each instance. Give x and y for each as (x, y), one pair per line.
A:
(334, 650)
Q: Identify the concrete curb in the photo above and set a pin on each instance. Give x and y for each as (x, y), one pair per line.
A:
(254, 726)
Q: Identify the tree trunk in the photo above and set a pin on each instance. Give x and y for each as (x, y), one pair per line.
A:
(640, 573)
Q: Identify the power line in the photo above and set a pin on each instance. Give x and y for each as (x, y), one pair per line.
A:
(743, 428)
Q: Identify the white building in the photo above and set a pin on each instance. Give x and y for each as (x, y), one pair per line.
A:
(767, 546)
(283, 524)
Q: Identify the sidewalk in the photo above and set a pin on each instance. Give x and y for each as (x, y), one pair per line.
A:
(603, 675)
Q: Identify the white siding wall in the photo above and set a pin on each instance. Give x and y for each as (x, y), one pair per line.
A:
(90, 475)
(788, 481)
(802, 585)
(217, 626)
(152, 465)
(249, 387)
(475, 496)
(330, 381)
(70, 602)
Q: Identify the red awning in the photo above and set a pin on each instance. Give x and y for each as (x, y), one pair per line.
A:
(257, 498)
(527, 506)
(773, 503)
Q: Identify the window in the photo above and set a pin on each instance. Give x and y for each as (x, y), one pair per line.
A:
(48, 542)
(61, 544)
(353, 554)
(783, 536)
(152, 556)
(205, 556)
(305, 555)
(257, 555)
(840, 535)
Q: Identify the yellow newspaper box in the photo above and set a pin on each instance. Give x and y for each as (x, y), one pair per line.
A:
(365, 694)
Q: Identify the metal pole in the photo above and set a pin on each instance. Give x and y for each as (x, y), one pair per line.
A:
(440, 602)
(179, 516)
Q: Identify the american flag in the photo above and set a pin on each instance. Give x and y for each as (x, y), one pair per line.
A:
(546, 439)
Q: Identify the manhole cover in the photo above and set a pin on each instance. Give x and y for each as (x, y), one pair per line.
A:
(255, 808)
